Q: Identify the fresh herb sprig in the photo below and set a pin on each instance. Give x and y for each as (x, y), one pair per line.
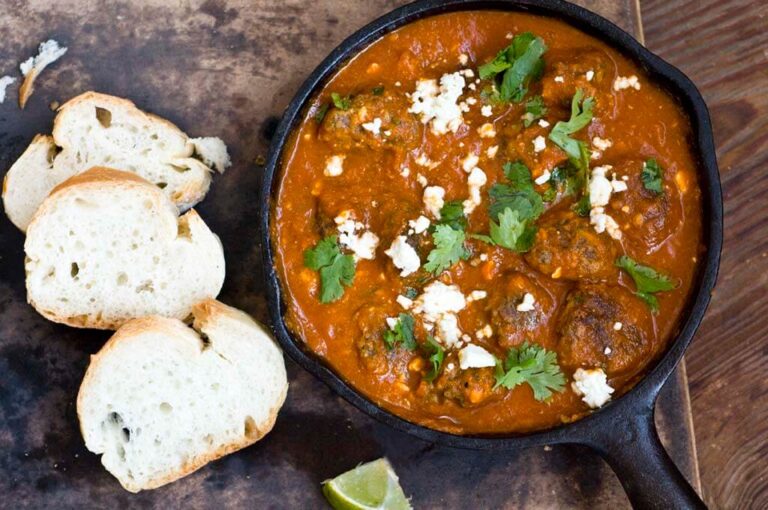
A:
(535, 109)
(341, 102)
(533, 365)
(436, 358)
(337, 270)
(401, 333)
(449, 249)
(515, 67)
(652, 176)
(647, 280)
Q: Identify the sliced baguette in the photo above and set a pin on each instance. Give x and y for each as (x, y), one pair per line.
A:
(107, 246)
(160, 400)
(100, 130)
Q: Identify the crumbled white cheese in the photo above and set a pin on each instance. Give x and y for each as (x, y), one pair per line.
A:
(405, 171)
(450, 367)
(527, 303)
(486, 111)
(471, 86)
(618, 185)
(475, 182)
(607, 351)
(391, 322)
(626, 82)
(559, 79)
(470, 162)
(484, 332)
(601, 144)
(600, 188)
(592, 386)
(463, 59)
(404, 301)
(433, 200)
(464, 107)
(477, 295)
(419, 225)
(604, 223)
(403, 256)
(486, 130)
(363, 245)
(438, 106)
(543, 178)
(47, 53)
(474, 356)
(543, 123)
(590, 75)
(491, 152)
(422, 180)
(4, 82)
(483, 257)
(374, 126)
(438, 299)
(617, 326)
(469, 73)
(509, 35)
(334, 166)
(471, 100)
(423, 160)
(448, 329)
(539, 143)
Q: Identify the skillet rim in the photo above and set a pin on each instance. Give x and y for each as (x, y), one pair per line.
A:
(643, 395)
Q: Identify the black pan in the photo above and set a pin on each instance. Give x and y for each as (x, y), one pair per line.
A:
(623, 431)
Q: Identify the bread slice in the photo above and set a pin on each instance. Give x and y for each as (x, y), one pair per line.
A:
(107, 246)
(100, 130)
(160, 400)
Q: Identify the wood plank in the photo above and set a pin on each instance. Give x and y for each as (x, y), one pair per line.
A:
(229, 68)
(721, 45)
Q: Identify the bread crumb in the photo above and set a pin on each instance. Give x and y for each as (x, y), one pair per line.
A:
(213, 152)
(48, 53)
(4, 82)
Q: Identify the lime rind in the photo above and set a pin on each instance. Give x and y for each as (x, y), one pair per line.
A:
(371, 486)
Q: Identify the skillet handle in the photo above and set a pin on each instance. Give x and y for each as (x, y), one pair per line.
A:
(649, 476)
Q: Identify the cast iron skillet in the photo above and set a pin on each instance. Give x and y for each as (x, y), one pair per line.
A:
(622, 432)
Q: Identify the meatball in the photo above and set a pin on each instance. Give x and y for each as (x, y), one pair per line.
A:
(512, 325)
(602, 326)
(645, 217)
(373, 354)
(373, 122)
(573, 67)
(466, 388)
(521, 144)
(567, 247)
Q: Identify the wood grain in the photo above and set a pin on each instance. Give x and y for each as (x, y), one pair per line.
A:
(723, 47)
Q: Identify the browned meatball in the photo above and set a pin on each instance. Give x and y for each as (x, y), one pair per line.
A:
(344, 128)
(644, 216)
(519, 145)
(602, 326)
(373, 354)
(567, 246)
(573, 65)
(512, 326)
(466, 388)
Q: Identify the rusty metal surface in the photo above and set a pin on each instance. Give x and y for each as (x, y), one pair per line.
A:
(227, 68)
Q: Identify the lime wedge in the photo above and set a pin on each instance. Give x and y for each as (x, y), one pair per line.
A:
(371, 486)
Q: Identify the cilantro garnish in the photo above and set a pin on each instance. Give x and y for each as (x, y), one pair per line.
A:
(534, 110)
(647, 280)
(581, 115)
(532, 364)
(436, 357)
(411, 293)
(452, 214)
(511, 232)
(342, 103)
(651, 176)
(321, 111)
(449, 249)
(515, 66)
(336, 269)
(402, 333)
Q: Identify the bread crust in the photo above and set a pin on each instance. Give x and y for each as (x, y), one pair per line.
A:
(206, 312)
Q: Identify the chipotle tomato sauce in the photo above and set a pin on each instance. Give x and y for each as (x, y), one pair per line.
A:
(584, 307)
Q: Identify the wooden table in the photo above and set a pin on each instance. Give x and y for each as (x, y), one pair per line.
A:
(228, 68)
(723, 46)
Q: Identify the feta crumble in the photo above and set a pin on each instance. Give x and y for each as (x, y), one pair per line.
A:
(486, 130)
(438, 106)
(404, 301)
(475, 182)
(422, 180)
(474, 356)
(363, 246)
(477, 295)
(593, 386)
(539, 144)
(527, 304)
(419, 225)
(4, 82)
(491, 152)
(463, 59)
(374, 126)
(433, 200)
(334, 166)
(543, 178)
(604, 223)
(601, 144)
(617, 326)
(486, 111)
(484, 332)
(559, 79)
(403, 256)
(626, 82)
(405, 171)
(438, 305)
(590, 74)
(448, 329)
(470, 162)
(600, 188)
(543, 123)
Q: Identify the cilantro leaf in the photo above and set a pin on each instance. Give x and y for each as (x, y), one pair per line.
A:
(647, 280)
(534, 110)
(452, 214)
(342, 103)
(534, 365)
(516, 65)
(402, 333)
(581, 115)
(511, 232)
(320, 112)
(519, 195)
(411, 293)
(651, 176)
(449, 249)
(436, 357)
(336, 269)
